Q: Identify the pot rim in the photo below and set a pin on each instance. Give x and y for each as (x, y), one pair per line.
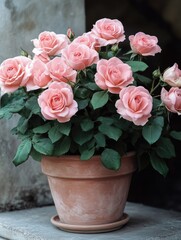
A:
(71, 167)
(76, 157)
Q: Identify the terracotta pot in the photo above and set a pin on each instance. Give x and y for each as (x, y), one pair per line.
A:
(85, 192)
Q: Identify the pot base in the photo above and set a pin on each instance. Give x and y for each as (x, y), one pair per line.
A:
(90, 228)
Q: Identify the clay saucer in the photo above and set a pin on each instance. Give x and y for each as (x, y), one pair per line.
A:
(90, 228)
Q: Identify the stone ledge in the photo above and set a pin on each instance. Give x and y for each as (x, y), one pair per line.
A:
(146, 223)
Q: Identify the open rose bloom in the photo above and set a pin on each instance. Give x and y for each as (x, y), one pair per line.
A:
(135, 104)
(84, 95)
(113, 75)
(14, 73)
(144, 44)
(57, 102)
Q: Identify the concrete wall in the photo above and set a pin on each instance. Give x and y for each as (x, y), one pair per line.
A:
(21, 21)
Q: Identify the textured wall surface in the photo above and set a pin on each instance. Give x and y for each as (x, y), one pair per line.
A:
(21, 21)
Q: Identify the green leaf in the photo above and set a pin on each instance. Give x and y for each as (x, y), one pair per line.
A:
(137, 66)
(22, 125)
(159, 121)
(5, 99)
(90, 144)
(165, 148)
(111, 131)
(111, 159)
(87, 146)
(156, 103)
(175, 135)
(92, 86)
(54, 134)
(25, 112)
(23, 152)
(106, 120)
(152, 131)
(100, 140)
(87, 154)
(110, 54)
(99, 99)
(36, 155)
(6, 115)
(82, 103)
(10, 108)
(43, 145)
(24, 53)
(80, 137)
(42, 129)
(145, 80)
(82, 93)
(90, 74)
(122, 124)
(32, 104)
(158, 164)
(62, 147)
(87, 124)
(64, 128)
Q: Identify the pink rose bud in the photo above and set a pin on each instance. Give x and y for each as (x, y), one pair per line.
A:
(144, 44)
(70, 34)
(135, 104)
(172, 99)
(172, 76)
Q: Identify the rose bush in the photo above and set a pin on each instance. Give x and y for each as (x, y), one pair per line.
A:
(86, 96)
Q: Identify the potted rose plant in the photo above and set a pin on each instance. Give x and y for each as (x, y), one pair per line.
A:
(85, 97)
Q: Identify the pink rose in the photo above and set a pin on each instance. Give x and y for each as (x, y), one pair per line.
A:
(172, 76)
(57, 102)
(144, 44)
(79, 56)
(172, 99)
(113, 75)
(60, 71)
(13, 73)
(39, 76)
(108, 31)
(42, 56)
(135, 104)
(89, 40)
(50, 43)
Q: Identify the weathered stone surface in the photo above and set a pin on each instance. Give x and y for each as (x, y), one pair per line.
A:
(146, 223)
(21, 21)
